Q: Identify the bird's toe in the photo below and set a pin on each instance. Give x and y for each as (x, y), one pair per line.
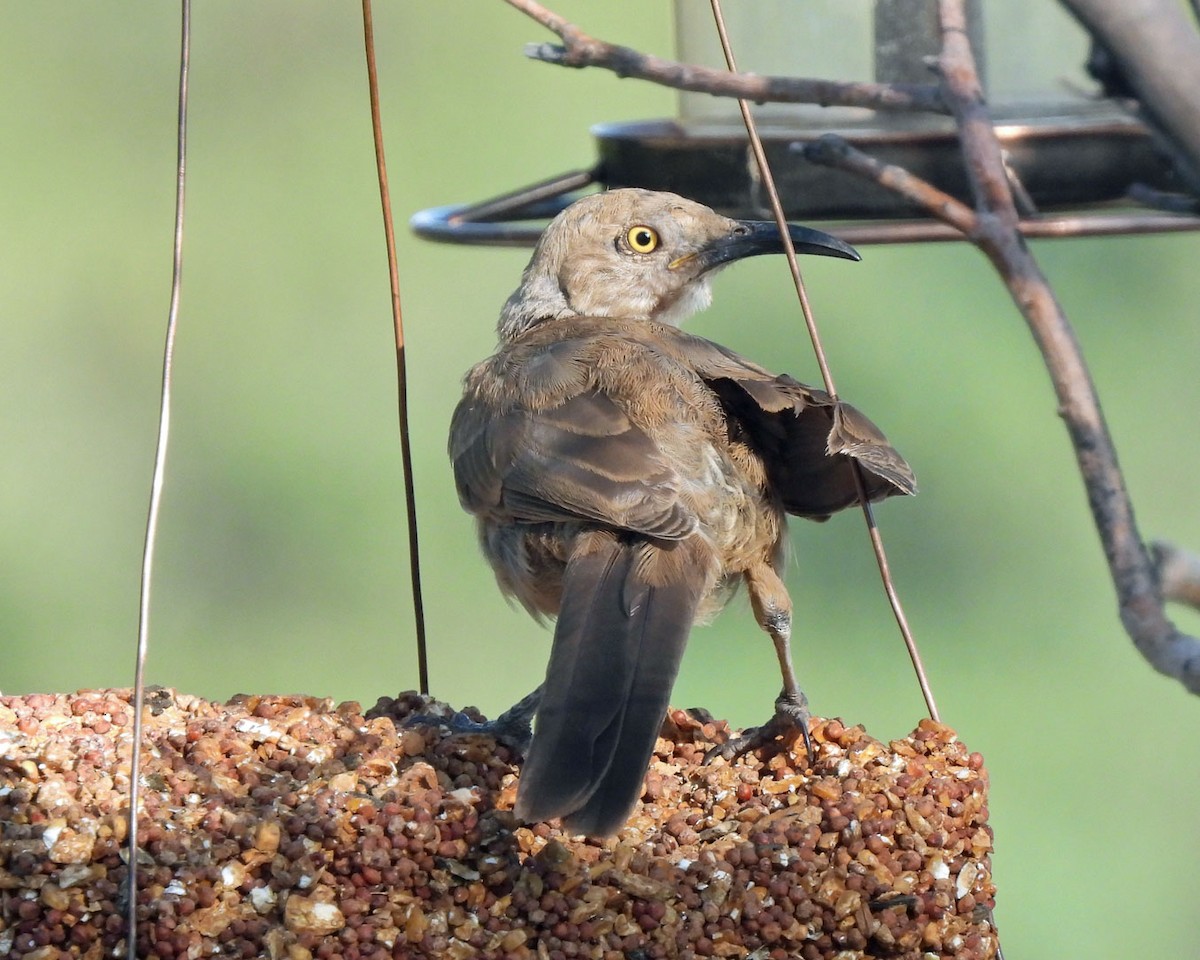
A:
(513, 732)
(789, 721)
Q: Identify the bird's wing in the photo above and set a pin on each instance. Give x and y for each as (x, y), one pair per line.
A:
(571, 454)
(804, 438)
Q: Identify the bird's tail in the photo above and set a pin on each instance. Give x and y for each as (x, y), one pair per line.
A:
(627, 607)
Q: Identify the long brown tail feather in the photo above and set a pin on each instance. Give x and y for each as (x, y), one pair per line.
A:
(617, 648)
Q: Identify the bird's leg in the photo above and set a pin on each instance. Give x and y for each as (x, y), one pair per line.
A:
(773, 609)
(513, 727)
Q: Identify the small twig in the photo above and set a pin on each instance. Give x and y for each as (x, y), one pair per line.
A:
(833, 151)
(768, 182)
(581, 50)
(1178, 573)
(1021, 197)
(410, 500)
(156, 482)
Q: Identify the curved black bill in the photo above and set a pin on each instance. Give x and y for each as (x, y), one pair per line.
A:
(751, 238)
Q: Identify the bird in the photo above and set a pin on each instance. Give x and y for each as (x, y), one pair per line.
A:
(626, 477)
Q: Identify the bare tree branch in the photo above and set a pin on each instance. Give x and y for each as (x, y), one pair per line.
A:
(581, 50)
(995, 229)
(1140, 602)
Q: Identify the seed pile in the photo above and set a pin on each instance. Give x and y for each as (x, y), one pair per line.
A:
(287, 827)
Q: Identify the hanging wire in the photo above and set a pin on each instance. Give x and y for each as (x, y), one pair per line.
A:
(410, 499)
(156, 485)
(768, 182)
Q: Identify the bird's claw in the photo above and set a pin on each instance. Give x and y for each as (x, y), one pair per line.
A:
(790, 718)
(512, 729)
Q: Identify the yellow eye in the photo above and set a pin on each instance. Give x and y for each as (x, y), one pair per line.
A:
(642, 239)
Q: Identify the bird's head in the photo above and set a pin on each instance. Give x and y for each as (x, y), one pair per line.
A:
(641, 255)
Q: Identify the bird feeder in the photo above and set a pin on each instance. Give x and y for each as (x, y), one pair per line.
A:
(1068, 148)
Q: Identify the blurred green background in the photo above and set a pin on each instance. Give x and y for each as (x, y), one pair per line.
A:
(282, 564)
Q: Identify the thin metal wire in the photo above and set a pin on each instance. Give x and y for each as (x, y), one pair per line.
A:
(410, 499)
(889, 587)
(156, 483)
(789, 250)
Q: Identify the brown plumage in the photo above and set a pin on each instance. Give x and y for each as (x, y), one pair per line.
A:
(625, 475)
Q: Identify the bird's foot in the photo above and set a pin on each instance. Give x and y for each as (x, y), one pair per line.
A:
(515, 736)
(790, 719)
(512, 728)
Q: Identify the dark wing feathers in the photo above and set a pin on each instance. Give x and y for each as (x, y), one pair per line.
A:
(856, 436)
(805, 438)
(770, 398)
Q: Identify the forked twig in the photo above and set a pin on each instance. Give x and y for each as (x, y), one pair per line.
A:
(768, 182)
(156, 483)
(581, 50)
(410, 497)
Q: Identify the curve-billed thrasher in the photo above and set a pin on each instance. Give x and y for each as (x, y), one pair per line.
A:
(626, 476)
